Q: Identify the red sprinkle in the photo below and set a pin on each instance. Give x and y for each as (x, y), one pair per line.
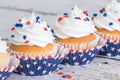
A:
(79, 18)
(118, 19)
(38, 21)
(28, 23)
(69, 76)
(12, 29)
(26, 42)
(61, 73)
(84, 12)
(66, 16)
(56, 70)
(20, 20)
(45, 29)
(60, 19)
(103, 9)
(85, 19)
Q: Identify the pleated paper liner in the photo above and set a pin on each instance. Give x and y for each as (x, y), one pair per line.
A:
(7, 71)
(112, 47)
(39, 65)
(81, 57)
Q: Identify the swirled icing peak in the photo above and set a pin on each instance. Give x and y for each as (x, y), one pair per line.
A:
(76, 24)
(31, 31)
(109, 17)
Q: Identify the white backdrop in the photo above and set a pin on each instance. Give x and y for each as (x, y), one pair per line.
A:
(12, 10)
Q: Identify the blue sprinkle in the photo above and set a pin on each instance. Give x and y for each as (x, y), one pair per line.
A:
(94, 15)
(111, 23)
(88, 19)
(48, 26)
(105, 14)
(60, 68)
(72, 8)
(52, 31)
(87, 15)
(18, 25)
(12, 36)
(37, 18)
(64, 76)
(76, 17)
(100, 11)
(24, 37)
(65, 14)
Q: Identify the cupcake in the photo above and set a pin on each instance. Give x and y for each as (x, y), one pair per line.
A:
(7, 63)
(31, 40)
(76, 32)
(107, 22)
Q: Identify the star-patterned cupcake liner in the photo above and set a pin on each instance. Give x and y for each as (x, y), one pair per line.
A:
(40, 65)
(76, 57)
(112, 46)
(7, 71)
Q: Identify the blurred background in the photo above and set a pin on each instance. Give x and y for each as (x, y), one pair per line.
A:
(12, 10)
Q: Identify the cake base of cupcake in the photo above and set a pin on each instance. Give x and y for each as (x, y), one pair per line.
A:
(39, 65)
(76, 57)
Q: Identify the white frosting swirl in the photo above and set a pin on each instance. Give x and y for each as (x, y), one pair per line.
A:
(110, 18)
(77, 25)
(31, 31)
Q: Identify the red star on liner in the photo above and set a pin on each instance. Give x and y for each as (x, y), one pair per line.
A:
(45, 29)
(84, 12)
(60, 19)
(118, 19)
(103, 9)
(26, 42)
(12, 29)
(28, 23)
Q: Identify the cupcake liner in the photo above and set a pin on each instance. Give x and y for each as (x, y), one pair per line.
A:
(6, 72)
(112, 47)
(39, 65)
(80, 57)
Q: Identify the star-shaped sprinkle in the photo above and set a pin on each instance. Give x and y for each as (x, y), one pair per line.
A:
(103, 9)
(45, 29)
(95, 15)
(28, 23)
(118, 19)
(105, 14)
(24, 37)
(12, 29)
(37, 18)
(26, 42)
(12, 36)
(60, 19)
(111, 23)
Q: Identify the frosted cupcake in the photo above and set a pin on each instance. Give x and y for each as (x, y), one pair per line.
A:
(107, 22)
(7, 63)
(76, 32)
(31, 40)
